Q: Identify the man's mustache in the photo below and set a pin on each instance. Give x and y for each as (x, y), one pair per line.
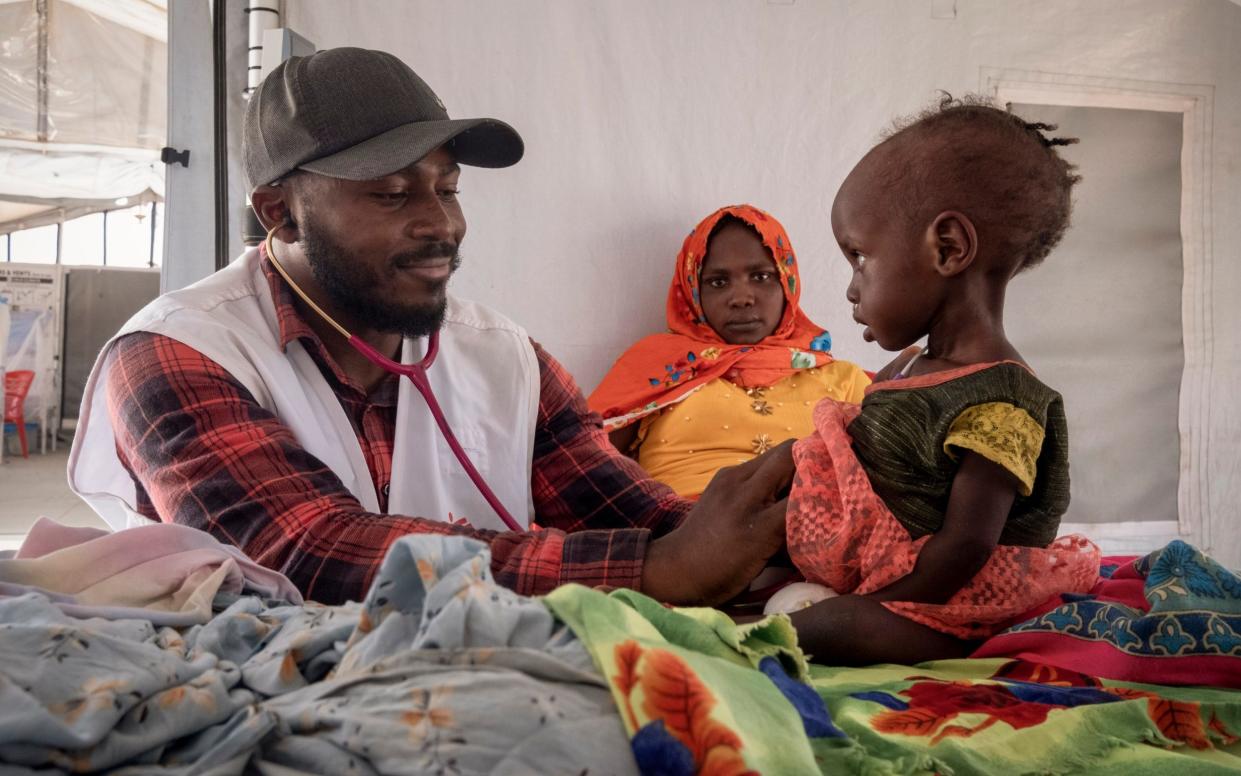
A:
(428, 252)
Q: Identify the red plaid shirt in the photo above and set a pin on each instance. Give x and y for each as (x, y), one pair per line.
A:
(204, 453)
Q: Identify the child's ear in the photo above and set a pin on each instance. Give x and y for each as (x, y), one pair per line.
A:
(956, 242)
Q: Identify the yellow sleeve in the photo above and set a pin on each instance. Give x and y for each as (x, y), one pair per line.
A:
(1003, 434)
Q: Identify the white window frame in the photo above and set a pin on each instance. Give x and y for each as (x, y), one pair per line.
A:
(1195, 103)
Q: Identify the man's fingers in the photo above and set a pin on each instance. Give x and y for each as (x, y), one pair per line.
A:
(773, 514)
(756, 481)
(772, 471)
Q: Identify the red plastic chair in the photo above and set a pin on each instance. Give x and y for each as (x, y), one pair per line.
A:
(16, 386)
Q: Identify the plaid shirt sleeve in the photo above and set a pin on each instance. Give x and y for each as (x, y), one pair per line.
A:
(204, 453)
(598, 506)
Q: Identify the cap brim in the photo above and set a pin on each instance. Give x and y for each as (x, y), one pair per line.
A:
(476, 142)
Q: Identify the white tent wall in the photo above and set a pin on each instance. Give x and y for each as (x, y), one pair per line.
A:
(642, 116)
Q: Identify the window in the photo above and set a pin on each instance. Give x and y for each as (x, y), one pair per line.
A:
(129, 237)
(34, 246)
(1197, 517)
(81, 241)
(1118, 277)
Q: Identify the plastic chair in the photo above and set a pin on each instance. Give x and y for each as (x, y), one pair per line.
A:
(16, 387)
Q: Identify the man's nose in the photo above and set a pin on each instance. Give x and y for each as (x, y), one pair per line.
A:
(431, 222)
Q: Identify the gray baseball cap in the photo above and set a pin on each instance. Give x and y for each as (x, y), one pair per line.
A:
(358, 114)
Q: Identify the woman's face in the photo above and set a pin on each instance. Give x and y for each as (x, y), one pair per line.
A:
(739, 287)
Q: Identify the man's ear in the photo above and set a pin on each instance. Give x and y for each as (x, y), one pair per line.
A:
(271, 205)
(955, 241)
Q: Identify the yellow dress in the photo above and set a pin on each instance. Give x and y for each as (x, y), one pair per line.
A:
(721, 425)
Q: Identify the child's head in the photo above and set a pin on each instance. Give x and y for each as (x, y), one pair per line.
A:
(954, 202)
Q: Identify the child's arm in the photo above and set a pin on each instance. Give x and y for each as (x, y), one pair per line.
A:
(978, 505)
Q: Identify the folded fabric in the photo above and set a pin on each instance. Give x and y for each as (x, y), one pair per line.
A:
(166, 573)
(686, 684)
(1170, 617)
(692, 702)
(439, 670)
(1009, 717)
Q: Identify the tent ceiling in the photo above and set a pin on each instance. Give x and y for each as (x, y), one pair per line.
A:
(83, 106)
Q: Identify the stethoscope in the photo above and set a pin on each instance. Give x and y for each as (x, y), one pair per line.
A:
(417, 374)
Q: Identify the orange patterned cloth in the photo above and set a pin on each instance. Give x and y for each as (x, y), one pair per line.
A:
(841, 534)
(662, 369)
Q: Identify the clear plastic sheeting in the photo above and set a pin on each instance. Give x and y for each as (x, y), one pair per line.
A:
(99, 81)
(19, 70)
(83, 107)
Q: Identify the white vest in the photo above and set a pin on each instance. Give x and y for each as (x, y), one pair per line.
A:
(486, 378)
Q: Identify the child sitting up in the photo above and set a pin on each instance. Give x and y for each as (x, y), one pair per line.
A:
(933, 508)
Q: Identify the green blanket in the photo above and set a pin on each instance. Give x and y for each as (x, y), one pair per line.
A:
(699, 694)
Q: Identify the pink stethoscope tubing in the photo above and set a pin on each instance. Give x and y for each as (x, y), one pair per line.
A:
(417, 374)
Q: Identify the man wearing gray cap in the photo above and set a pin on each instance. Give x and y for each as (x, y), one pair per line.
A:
(257, 404)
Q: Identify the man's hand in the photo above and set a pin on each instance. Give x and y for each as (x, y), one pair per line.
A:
(727, 538)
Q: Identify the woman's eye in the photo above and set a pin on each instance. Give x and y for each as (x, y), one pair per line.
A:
(717, 283)
(763, 277)
(450, 193)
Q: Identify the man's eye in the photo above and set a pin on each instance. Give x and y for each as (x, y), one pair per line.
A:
(389, 196)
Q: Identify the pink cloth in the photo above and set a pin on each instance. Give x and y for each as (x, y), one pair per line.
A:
(841, 534)
(167, 573)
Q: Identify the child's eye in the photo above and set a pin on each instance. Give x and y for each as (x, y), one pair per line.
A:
(859, 259)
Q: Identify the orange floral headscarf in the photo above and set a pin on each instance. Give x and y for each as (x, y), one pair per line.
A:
(664, 368)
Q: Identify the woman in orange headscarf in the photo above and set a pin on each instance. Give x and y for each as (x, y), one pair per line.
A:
(741, 367)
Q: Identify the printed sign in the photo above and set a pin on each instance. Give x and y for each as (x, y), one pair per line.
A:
(31, 287)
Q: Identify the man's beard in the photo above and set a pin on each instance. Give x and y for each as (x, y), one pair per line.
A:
(352, 284)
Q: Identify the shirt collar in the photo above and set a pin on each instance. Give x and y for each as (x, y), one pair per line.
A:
(294, 327)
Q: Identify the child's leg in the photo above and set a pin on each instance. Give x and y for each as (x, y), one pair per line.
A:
(852, 630)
